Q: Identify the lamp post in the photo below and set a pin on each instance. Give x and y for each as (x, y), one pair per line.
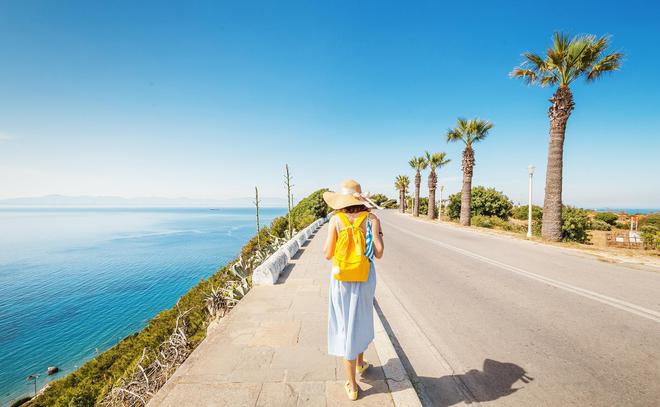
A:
(34, 378)
(442, 188)
(530, 170)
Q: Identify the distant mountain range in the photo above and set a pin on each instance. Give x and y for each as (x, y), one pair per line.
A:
(88, 200)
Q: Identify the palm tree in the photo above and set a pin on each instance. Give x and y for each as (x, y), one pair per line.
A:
(566, 61)
(418, 164)
(435, 161)
(469, 132)
(401, 184)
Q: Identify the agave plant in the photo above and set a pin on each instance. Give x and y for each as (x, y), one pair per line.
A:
(241, 269)
(215, 303)
(233, 291)
(260, 256)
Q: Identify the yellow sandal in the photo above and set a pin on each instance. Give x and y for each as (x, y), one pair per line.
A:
(352, 395)
(365, 366)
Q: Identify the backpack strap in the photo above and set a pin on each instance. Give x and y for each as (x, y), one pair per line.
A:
(344, 219)
(360, 219)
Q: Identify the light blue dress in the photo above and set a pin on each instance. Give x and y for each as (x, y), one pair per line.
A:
(351, 311)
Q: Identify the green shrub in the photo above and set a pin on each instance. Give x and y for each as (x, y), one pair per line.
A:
(576, 224)
(650, 237)
(20, 402)
(390, 204)
(597, 224)
(379, 199)
(384, 202)
(652, 219)
(309, 209)
(279, 226)
(423, 205)
(491, 222)
(520, 212)
(607, 217)
(485, 201)
(622, 225)
(481, 221)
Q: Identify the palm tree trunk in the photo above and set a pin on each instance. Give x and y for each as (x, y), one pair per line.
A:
(418, 182)
(402, 204)
(559, 112)
(466, 192)
(431, 212)
(432, 183)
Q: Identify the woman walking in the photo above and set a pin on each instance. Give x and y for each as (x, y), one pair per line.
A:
(354, 239)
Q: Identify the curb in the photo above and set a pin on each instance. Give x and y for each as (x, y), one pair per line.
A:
(401, 389)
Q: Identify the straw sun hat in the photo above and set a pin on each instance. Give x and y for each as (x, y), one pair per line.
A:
(350, 193)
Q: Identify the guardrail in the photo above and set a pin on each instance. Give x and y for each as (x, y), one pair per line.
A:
(269, 271)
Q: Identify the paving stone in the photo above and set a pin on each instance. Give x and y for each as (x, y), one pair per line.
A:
(277, 394)
(271, 350)
(216, 395)
(276, 334)
(310, 394)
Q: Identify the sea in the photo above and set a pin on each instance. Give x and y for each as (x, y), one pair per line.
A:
(74, 281)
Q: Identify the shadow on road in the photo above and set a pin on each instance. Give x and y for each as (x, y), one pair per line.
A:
(495, 379)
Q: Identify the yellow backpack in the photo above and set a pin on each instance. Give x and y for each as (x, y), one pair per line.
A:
(350, 263)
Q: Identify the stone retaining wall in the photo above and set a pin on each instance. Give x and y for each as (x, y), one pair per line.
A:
(269, 271)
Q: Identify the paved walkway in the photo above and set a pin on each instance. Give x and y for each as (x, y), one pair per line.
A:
(271, 350)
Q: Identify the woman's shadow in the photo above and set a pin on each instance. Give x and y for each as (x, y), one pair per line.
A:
(495, 380)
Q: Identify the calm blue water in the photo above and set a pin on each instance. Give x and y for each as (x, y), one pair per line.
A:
(75, 281)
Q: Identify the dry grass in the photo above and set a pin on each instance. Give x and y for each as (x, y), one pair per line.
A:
(596, 248)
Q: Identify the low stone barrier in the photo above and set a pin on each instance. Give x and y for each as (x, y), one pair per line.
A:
(290, 248)
(269, 271)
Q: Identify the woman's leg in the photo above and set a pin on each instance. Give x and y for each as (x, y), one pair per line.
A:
(360, 359)
(350, 372)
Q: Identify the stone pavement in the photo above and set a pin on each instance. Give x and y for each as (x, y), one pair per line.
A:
(271, 349)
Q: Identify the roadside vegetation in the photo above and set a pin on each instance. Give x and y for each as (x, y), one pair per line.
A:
(567, 59)
(107, 378)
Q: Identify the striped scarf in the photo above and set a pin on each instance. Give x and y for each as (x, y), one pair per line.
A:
(369, 251)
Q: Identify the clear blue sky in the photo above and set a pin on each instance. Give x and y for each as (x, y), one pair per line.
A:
(208, 99)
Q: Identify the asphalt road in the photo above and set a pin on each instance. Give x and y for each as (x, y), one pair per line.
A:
(491, 320)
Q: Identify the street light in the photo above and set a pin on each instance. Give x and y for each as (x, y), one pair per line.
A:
(442, 188)
(530, 170)
(34, 378)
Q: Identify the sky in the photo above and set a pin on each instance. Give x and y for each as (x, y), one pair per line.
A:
(208, 99)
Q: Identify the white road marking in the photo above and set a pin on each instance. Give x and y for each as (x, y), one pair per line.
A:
(613, 302)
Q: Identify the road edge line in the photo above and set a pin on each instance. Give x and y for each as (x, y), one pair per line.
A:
(398, 382)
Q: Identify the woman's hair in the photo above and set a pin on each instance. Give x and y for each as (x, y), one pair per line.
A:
(355, 209)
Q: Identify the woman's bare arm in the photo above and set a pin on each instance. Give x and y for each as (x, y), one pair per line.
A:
(377, 237)
(331, 240)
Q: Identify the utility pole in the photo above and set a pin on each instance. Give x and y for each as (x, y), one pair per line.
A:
(256, 203)
(530, 170)
(442, 188)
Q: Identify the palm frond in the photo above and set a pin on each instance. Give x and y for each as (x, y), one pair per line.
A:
(528, 75)
(479, 129)
(567, 60)
(437, 160)
(459, 132)
(609, 63)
